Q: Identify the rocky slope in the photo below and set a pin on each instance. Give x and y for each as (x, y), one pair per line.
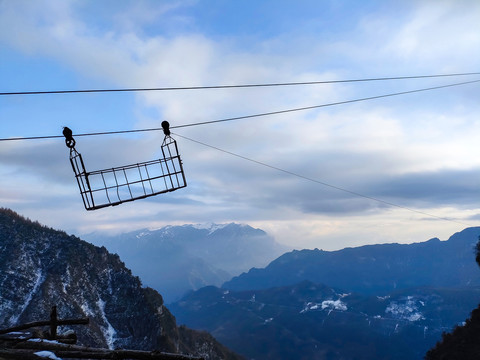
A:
(41, 267)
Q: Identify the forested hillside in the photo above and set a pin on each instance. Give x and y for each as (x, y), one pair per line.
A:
(41, 267)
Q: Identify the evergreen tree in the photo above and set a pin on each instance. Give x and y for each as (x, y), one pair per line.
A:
(464, 341)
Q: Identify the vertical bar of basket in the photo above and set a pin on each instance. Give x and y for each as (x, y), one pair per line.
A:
(167, 142)
(167, 157)
(168, 145)
(177, 156)
(82, 178)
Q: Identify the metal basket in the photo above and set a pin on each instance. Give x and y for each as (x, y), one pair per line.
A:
(114, 186)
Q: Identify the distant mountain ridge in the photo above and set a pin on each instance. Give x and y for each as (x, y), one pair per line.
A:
(177, 259)
(41, 267)
(374, 269)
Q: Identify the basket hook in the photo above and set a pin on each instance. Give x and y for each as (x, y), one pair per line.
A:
(166, 128)
(69, 140)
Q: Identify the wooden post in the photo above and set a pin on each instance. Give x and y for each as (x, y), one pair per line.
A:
(53, 323)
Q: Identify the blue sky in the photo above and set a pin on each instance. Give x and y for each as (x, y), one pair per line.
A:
(418, 151)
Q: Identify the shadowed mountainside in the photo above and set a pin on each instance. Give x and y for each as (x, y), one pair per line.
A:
(41, 267)
(374, 269)
(314, 321)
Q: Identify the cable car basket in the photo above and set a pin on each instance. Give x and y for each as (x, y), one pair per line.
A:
(114, 186)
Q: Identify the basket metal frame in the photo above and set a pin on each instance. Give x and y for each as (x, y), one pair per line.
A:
(114, 186)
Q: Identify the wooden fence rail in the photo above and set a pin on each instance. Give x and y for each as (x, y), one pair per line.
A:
(29, 349)
(54, 322)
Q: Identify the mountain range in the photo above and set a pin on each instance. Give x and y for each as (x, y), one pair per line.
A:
(387, 301)
(177, 259)
(41, 267)
(374, 269)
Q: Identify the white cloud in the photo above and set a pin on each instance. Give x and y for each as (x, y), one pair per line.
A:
(351, 146)
(439, 32)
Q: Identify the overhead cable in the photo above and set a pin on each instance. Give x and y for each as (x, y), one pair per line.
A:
(326, 105)
(323, 183)
(250, 116)
(50, 92)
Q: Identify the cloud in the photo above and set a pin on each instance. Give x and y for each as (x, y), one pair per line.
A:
(439, 31)
(412, 150)
(456, 188)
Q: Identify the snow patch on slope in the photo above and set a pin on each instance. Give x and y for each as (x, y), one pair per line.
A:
(408, 310)
(338, 305)
(38, 281)
(143, 234)
(334, 305)
(47, 355)
(211, 227)
(86, 309)
(66, 279)
(108, 332)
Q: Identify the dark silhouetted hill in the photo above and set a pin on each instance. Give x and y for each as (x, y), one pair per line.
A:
(463, 342)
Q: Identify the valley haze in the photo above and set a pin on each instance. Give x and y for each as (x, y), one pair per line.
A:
(177, 259)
